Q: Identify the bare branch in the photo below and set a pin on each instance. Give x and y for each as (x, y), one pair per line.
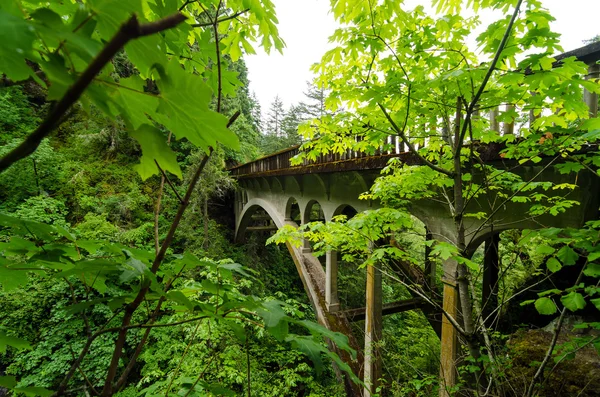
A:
(224, 19)
(166, 178)
(491, 69)
(411, 148)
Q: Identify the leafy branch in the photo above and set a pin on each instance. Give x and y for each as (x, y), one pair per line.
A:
(130, 30)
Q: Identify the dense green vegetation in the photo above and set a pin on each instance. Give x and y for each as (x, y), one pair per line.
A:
(118, 275)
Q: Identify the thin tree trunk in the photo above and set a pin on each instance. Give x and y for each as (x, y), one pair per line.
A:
(157, 209)
(205, 222)
(464, 296)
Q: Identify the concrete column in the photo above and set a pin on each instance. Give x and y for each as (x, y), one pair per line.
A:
(373, 328)
(430, 276)
(304, 219)
(491, 268)
(591, 99)
(449, 339)
(331, 290)
(494, 124)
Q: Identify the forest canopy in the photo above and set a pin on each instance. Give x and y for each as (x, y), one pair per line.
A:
(118, 274)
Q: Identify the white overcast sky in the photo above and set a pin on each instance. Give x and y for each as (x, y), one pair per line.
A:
(306, 25)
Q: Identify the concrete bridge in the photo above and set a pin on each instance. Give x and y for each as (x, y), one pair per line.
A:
(274, 191)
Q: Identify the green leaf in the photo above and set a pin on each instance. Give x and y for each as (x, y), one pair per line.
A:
(444, 250)
(567, 255)
(185, 110)
(12, 341)
(593, 256)
(573, 301)
(179, 297)
(11, 278)
(271, 313)
(154, 148)
(308, 346)
(8, 381)
(146, 53)
(238, 330)
(113, 13)
(339, 339)
(133, 268)
(544, 249)
(28, 228)
(236, 267)
(592, 270)
(596, 302)
(81, 306)
(17, 37)
(135, 103)
(48, 17)
(553, 264)
(34, 391)
(568, 167)
(545, 306)
(550, 292)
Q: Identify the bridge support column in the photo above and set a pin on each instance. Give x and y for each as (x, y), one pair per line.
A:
(491, 269)
(306, 248)
(591, 99)
(449, 339)
(373, 330)
(331, 290)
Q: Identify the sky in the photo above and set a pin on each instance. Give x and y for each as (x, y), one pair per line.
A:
(305, 26)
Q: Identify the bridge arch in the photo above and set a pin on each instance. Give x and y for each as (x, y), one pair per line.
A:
(344, 209)
(249, 210)
(308, 208)
(264, 184)
(277, 185)
(289, 209)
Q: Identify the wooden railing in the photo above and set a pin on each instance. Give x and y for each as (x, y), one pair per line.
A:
(393, 146)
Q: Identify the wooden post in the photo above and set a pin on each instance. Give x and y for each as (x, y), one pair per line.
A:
(509, 128)
(491, 269)
(331, 290)
(591, 99)
(449, 339)
(373, 330)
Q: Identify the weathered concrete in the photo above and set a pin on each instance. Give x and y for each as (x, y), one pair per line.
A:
(276, 191)
(331, 274)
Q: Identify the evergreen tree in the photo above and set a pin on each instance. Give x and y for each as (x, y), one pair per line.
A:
(594, 39)
(275, 117)
(314, 107)
(290, 123)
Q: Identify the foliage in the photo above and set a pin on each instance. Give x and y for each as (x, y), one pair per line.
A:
(414, 75)
(17, 116)
(177, 82)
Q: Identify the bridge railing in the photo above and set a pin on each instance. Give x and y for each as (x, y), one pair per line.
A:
(393, 145)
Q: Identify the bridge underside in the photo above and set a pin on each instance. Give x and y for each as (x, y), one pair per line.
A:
(288, 197)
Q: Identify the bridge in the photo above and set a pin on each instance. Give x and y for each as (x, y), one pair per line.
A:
(274, 193)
